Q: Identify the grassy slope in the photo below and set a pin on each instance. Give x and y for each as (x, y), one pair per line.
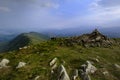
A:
(38, 57)
(26, 39)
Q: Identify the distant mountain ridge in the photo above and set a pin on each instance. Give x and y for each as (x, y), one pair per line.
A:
(112, 32)
(25, 39)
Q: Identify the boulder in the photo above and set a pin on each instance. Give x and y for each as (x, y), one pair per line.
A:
(85, 75)
(21, 64)
(62, 73)
(90, 68)
(87, 69)
(4, 63)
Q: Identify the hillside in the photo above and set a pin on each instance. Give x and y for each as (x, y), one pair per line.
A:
(26, 39)
(39, 56)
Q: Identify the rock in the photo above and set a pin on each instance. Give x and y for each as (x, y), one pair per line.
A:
(21, 64)
(20, 48)
(62, 74)
(98, 38)
(25, 47)
(97, 60)
(90, 68)
(105, 73)
(83, 67)
(53, 65)
(4, 63)
(87, 69)
(53, 68)
(75, 74)
(85, 75)
(53, 62)
(37, 77)
(117, 66)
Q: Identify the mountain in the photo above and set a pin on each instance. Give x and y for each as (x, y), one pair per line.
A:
(51, 61)
(7, 37)
(26, 39)
(112, 32)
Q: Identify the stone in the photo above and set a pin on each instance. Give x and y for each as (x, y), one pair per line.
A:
(21, 64)
(105, 73)
(90, 68)
(97, 60)
(75, 74)
(4, 63)
(98, 38)
(20, 48)
(37, 77)
(25, 47)
(85, 75)
(53, 65)
(83, 67)
(53, 62)
(62, 73)
(117, 66)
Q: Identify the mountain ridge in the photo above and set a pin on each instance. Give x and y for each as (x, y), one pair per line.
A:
(25, 39)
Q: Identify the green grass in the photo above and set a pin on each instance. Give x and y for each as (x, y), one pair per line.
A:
(38, 57)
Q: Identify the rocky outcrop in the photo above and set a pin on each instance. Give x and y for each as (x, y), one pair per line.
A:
(87, 69)
(58, 72)
(85, 76)
(90, 68)
(62, 73)
(4, 63)
(21, 64)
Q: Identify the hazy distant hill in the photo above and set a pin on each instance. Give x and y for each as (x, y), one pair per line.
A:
(7, 37)
(26, 39)
(110, 32)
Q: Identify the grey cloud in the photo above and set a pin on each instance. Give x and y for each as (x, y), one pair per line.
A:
(4, 9)
(109, 3)
(24, 3)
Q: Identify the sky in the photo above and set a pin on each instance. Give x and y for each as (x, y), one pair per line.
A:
(40, 15)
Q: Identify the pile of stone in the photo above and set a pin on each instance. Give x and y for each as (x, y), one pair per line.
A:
(96, 39)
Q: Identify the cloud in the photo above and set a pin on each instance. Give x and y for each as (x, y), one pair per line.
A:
(50, 4)
(109, 3)
(104, 12)
(4, 9)
(54, 14)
